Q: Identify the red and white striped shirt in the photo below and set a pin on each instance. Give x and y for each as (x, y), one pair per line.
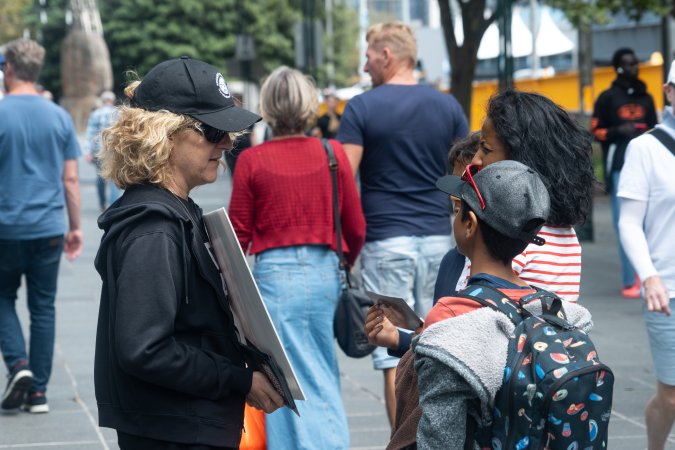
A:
(554, 266)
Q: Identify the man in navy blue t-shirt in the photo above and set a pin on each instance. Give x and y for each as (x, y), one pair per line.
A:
(398, 136)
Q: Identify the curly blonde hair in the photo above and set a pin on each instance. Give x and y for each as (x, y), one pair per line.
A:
(136, 149)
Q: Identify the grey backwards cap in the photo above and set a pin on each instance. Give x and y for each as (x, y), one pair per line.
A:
(516, 201)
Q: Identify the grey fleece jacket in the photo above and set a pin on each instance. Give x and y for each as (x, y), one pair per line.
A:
(460, 364)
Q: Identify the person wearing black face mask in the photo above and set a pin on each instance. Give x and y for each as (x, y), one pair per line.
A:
(621, 113)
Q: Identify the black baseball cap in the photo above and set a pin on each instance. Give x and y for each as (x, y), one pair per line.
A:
(194, 88)
(516, 200)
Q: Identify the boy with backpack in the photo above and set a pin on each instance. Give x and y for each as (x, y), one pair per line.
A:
(503, 365)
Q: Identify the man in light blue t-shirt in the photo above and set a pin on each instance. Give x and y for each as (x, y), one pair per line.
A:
(398, 136)
(38, 177)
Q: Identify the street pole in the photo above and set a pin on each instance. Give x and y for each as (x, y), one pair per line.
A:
(363, 26)
(330, 67)
(505, 60)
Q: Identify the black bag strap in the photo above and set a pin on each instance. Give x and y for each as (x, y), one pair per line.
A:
(665, 138)
(492, 298)
(333, 166)
(551, 304)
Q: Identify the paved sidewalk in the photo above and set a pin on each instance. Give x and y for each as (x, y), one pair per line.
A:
(619, 335)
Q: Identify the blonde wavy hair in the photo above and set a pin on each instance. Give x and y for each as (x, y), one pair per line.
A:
(288, 101)
(136, 149)
(396, 36)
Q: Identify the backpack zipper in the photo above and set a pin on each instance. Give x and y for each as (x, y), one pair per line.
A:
(549, 397)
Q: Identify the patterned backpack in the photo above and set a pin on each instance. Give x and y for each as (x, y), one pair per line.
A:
(556, 394)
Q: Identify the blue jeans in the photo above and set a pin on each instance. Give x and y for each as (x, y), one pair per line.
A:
(627, 271)
(300, 286)
(38, 260)
(101, 184)
(407, 267)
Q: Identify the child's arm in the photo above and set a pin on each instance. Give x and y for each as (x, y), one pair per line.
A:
(444, 400)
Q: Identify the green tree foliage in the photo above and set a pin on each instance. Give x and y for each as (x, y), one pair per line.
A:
(142, 33)
(12, 20)
(270, 22)
(586, 13)
(345, 58)
(47, 25)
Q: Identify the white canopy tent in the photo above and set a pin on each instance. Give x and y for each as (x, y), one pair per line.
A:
(550, 40)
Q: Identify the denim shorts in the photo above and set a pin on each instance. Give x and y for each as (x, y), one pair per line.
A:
(661, 332)
(407, 267)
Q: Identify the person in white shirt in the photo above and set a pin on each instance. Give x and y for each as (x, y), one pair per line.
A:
(647, 194)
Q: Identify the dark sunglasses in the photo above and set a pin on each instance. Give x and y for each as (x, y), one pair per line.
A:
(471, 170)
(213, 135)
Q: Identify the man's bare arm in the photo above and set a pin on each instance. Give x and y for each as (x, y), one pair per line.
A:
(354, 153)
(73, 242)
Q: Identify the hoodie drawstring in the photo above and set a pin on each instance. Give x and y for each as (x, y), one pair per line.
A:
(185, 262)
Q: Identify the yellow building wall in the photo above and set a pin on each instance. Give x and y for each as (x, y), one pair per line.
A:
(564, 90)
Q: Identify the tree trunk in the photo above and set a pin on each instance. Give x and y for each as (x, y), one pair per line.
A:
(463, 59)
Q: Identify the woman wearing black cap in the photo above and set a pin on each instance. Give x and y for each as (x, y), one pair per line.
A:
(169, 372)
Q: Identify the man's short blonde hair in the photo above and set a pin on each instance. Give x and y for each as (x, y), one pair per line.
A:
(288, 101)
(26, 58)
(136, 149)
(396, 36)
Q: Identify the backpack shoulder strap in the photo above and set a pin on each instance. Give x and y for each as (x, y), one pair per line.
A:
(665, 139)
(493, 298)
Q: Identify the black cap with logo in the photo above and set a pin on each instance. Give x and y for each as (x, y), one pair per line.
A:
(194, 88)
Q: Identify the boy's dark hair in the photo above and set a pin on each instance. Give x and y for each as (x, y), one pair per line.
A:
(620, 53)
(499, 246)
(540, 134)
(463, 150)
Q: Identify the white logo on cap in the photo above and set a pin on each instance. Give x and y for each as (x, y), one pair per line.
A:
(222, 86)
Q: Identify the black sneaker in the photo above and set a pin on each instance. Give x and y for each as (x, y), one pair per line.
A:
(36, 403)
(20, 380)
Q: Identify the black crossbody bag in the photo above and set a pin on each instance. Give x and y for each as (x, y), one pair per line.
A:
(353, 305)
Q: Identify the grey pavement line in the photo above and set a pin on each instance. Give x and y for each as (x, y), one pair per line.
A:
(642, 382)
(636, 423)
(79, 401)
(362, 387)
(48, 444)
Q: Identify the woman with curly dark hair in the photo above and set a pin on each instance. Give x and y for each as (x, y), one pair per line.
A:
(531, 129)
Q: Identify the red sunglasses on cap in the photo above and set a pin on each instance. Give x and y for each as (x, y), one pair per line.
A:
(471, 170)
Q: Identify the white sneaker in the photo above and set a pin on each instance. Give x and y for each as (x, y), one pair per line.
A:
(20, 380)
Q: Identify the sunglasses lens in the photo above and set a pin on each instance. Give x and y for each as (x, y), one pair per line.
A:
(213, 135)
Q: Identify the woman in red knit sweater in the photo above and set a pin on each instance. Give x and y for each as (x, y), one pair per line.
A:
(281, 209)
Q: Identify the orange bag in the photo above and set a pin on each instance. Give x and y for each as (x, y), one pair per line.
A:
(253, 437)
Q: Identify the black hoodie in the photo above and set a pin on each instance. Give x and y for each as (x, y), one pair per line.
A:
(168, 364)
(614, 107)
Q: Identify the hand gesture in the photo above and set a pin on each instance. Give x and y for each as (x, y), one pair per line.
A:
(72, 244)
(262, 395)
(379, 329)
(656, 295)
